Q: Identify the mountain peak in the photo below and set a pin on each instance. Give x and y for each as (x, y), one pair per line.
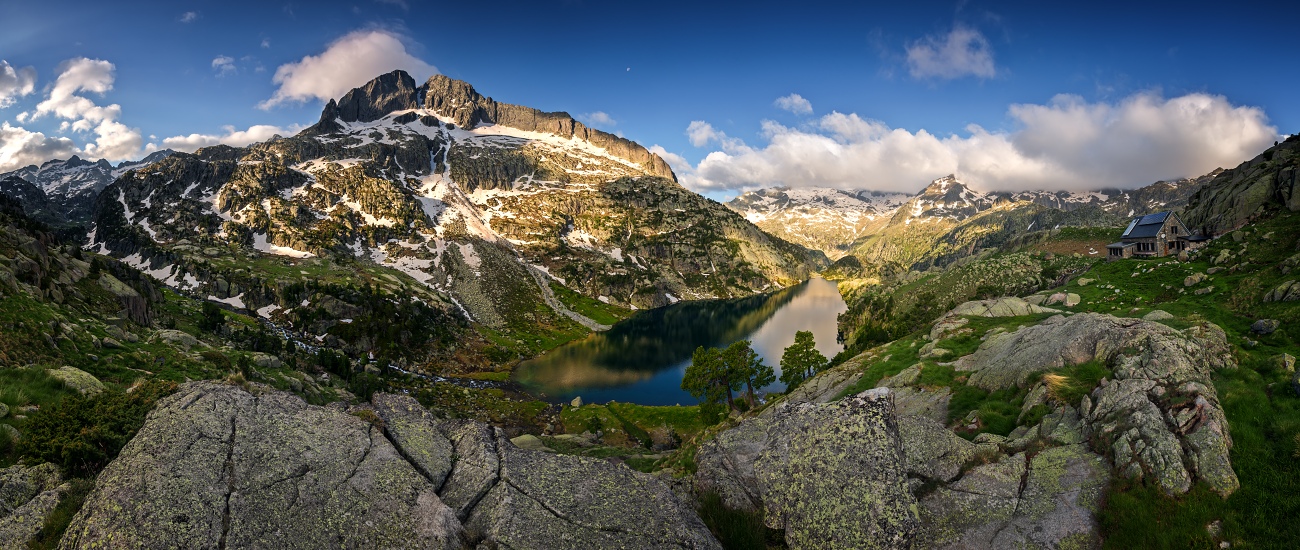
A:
(460, 102)
(948, 189)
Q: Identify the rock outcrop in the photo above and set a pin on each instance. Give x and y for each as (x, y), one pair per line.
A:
(828, 475)
(215, 465)
(458, 100)
(1047, 501)
(28, 495)
(77, 379)
(1242, 194)
(1159, 418)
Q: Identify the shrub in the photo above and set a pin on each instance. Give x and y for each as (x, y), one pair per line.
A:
(82, 434)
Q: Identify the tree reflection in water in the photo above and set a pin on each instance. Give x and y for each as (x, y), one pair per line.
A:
(641, 359)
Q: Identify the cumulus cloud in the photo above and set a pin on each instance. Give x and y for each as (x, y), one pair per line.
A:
(232, 137)
(346, 63)
(80, 75)
(224, 65)
(189, 17)
(962, 52)
(266, 43)
(66, 100)
(701, 133)
(794, 103)
(20, 147)
(15, 83)
(1067, 143)
(598, 119)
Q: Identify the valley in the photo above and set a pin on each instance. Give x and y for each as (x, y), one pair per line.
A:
(482, 320)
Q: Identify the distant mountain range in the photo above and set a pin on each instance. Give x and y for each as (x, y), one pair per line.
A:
(870, 224)
(73, 184)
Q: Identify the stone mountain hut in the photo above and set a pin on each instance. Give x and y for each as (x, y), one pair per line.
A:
(1151, 236)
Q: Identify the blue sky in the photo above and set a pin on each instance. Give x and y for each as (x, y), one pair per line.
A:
(1154, 91)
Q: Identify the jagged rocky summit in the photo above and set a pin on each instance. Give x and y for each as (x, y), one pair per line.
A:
(457, 100)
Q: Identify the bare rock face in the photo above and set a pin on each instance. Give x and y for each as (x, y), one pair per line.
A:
(217, 466)
(542, 500)
(829, 475)
(1235, 197)
(458, 100)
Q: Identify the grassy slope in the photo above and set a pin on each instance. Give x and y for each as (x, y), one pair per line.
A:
(1262, 408)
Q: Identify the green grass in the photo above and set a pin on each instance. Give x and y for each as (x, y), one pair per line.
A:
(59, 519)
(735, 529)
(600, 312)
(891, 360)
(627, 424)
(1079, 381)
(1263, 411)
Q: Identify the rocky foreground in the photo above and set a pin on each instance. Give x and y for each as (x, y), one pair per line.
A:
(217, 466)
(220, 465)
(881, 469)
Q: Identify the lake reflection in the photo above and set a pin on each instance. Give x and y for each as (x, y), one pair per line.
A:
(641, 360)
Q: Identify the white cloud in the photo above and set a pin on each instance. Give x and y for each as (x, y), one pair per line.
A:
(189, 17)
(598, 119)
(80, 75)
(224, 65)
(701, 133)
(962, 52)
(20, 147)
(232, 137)
(113, 140)
(1065, 144)
(347, 63)
(794, 103)
(266, 43)
(15, 83)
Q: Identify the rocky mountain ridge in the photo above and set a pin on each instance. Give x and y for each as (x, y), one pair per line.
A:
(495, 222)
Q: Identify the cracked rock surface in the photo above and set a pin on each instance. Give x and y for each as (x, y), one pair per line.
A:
(1159, 418)
(829, 475)
(28, 495)
(218, 467)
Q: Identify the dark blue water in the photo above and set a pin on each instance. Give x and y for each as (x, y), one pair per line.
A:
(642, 359)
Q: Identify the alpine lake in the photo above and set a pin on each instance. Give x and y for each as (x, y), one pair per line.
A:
(643, 358)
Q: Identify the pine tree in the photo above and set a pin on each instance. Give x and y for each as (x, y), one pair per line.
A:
(748, 369)
(801, 360)
(707, 378)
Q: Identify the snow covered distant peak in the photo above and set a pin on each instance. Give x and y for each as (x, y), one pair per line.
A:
(821, 218)
(76, 177)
